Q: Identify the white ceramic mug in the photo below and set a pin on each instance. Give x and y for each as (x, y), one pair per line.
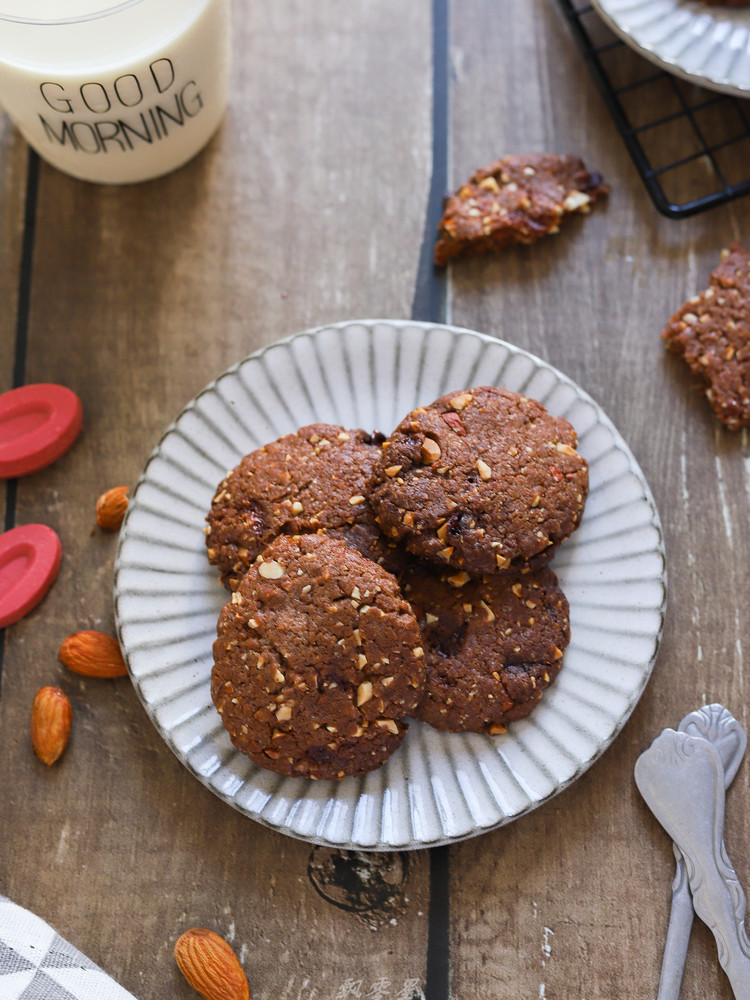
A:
(115, 92)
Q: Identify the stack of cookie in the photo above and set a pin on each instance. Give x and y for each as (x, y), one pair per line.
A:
(377, 579)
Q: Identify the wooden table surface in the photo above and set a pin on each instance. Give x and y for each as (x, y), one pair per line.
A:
(316, 203)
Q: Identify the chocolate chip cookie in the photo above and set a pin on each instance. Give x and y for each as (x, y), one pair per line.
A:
(711, 332)
(481, 478)
(316, 479)
(317, 661)
(517, 199)
(493, 644)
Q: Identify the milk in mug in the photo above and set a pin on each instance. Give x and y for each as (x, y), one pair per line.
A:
(115, 92)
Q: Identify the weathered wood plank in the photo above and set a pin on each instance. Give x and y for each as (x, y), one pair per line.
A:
(13, 160)
(297, 214)
(572, 900)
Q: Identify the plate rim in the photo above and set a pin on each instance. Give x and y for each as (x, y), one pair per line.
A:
(670, 66)
(425, 326)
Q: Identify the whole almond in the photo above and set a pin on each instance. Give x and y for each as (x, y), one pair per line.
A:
(111, 507)
(94, 654)
(210, 966)
(51, 719)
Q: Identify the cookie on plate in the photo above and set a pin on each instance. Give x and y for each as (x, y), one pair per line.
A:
(517, 199)
(711, 332)
(315, 479)
(481, 478)
(493, 644)
(318, 660)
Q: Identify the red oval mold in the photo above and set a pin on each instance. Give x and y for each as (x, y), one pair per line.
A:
(38, 423)
(29, 561)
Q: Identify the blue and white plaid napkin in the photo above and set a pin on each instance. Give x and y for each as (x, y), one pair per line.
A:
(37, 964)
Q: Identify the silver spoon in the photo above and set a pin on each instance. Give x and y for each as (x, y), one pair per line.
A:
(681, 778)
(716, 724)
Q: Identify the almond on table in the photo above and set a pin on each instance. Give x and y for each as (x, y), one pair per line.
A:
(111, 507)
(93, 654)
(517, 199)
(210, 965)
(51, 720)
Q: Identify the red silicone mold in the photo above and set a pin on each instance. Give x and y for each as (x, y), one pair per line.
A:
(29, 561)
(38, 423)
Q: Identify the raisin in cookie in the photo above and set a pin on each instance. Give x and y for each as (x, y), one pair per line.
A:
(317, 478)
(711, 332)
(493, 644)
(515, 200)
(481, 478)
(317, 661)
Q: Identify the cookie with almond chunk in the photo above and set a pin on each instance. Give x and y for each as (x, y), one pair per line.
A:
(480, 480)
(317, 660)
(711, 332)
(517, 199)
(493, 644)
(316, 479)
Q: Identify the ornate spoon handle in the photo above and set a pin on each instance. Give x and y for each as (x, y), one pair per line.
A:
(678, 933)
(716, 724)
(681, 778)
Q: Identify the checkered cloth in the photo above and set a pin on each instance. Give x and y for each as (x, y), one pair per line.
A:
(37, 964)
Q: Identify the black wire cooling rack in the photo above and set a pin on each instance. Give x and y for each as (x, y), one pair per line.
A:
(690, 145)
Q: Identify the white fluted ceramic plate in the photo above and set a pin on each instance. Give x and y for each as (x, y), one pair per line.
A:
(438, 787)
(709, 46)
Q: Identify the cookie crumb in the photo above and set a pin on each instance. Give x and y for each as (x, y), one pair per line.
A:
(711, 333)
(517, 199)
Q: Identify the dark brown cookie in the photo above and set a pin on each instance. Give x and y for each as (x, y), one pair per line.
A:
(316, 479)
(493, 644)
(515, 200)
(712, 333)
(480, 478)
(317, 661)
